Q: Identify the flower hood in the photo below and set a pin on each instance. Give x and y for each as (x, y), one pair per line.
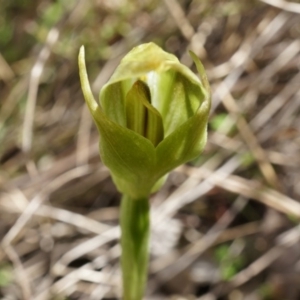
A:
(175, 102)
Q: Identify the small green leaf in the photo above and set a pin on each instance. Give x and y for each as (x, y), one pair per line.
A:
(217, 121)
(247, 159)
(6, 275)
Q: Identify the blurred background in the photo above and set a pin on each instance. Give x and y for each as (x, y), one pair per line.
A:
(225, 226)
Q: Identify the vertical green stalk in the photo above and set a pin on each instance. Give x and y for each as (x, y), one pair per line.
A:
(135, 226)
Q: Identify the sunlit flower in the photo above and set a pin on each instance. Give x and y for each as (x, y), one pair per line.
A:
(152, 117)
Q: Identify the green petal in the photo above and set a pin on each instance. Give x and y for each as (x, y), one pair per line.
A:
(129, 156)
(184, 144)
(175, 96)
(142, 60)
(85, 85)
(200, 68)
(188, 140)
(141, 116)
(135, 108)
(154, 127)
(114, 105)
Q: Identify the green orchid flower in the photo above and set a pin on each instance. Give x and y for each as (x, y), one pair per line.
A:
(152, 117)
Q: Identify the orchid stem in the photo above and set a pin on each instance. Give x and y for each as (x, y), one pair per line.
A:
(135, 226)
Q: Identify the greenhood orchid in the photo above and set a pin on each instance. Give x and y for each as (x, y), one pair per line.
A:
(152, 117)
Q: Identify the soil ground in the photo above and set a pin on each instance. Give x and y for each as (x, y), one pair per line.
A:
(225, 226)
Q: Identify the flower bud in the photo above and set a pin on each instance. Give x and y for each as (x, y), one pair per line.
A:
(152, 117)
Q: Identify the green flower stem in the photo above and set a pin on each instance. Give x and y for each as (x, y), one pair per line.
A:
(135, 227)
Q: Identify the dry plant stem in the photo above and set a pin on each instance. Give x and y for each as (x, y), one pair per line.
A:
(135, 227)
